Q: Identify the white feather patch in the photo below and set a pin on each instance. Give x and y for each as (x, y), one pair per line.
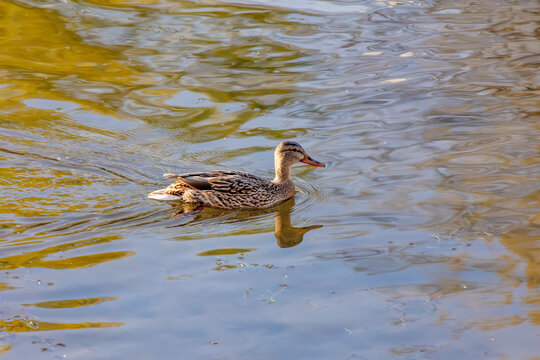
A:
(160, 195)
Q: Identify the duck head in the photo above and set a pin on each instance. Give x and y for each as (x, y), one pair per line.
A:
(289, 153)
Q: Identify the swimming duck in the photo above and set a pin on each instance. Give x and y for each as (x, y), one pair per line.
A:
(231, 189)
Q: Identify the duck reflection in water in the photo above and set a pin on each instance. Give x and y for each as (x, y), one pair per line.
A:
(286, 234)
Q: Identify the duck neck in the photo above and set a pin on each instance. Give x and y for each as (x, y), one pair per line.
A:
(283, 171)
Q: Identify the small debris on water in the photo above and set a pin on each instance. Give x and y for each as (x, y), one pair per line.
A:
(32, 324)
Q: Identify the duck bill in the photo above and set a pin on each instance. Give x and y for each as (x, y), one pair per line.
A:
(310, 161)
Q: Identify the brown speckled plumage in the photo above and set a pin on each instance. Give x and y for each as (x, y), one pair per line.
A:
(231, 189)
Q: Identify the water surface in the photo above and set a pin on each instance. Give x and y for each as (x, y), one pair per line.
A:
(420, 239)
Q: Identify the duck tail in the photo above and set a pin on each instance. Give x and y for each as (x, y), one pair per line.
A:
(162, 196)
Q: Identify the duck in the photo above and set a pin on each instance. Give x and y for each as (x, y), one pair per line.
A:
(232, 189)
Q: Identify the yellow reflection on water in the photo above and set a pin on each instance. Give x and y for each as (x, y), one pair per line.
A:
(21, 325)
(37, 40)
(526, 243)
(18, 202)
(6, 286)
(38, 51)
(62, 304)
(534, 316)
(37, 258)
(499, 322)
(5, 348)
(123, 2)
(229, 251)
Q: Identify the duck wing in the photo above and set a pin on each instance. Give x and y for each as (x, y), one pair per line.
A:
(226, 181)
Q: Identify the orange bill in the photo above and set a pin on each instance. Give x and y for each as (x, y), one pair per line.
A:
(310, 161)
